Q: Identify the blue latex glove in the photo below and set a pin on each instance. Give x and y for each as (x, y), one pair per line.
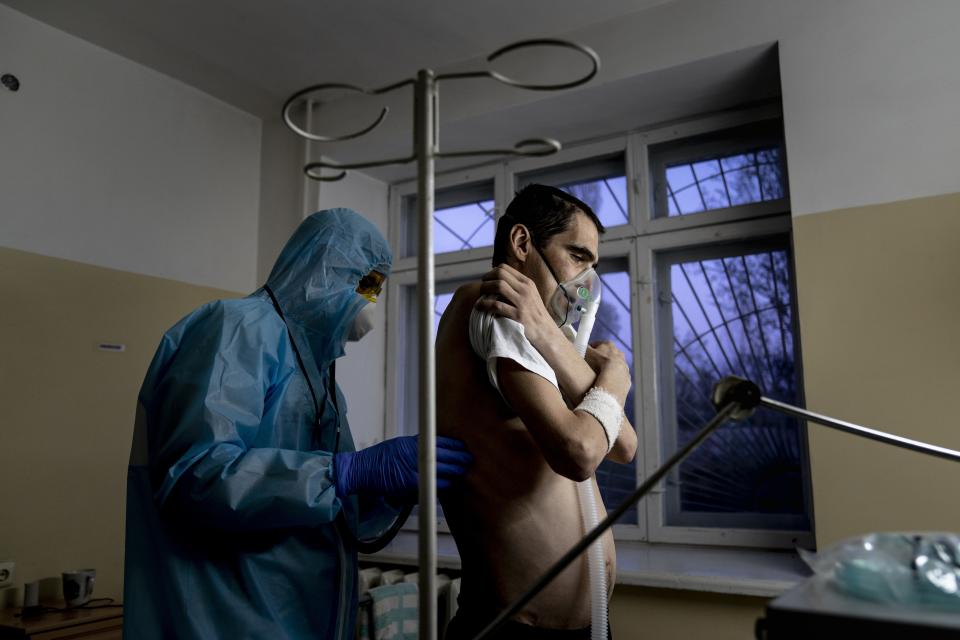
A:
(390, 468)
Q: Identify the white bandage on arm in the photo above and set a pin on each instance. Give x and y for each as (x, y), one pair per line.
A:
(601, 404)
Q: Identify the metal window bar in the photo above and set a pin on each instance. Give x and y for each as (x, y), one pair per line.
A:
(696, 181)
(685, 347)
(725, 324)
(756, 171)
(698, 337)
(741, 315)
(613, 292)
(703, 310)
(756, 307)
(615, 336)
(754, 164)
(781, 308)
(464, 241)
(673, 197)
(616, 200)
(426, 150)
(487, 217)
(723, 177)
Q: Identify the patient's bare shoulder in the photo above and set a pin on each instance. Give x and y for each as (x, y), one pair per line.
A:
(458, 311)
(461, 374)
(466, 296)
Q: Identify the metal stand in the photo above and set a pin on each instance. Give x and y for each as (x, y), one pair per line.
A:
(734, 398)
(426, 150)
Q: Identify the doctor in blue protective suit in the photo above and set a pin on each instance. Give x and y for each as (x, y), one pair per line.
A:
(246, 500)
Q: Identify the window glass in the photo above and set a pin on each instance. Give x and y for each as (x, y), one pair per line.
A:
(721, 170)
(733, 314)
(724, 182)
(617, 481)
(599, 182)
(463, 219)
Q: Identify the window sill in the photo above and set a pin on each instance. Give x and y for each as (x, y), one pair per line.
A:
(750, 572)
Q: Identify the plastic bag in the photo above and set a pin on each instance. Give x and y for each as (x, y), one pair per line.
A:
(918, 568)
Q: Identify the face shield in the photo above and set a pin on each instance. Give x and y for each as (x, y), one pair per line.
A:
(368, 288)
(371, 285)
(573, 296)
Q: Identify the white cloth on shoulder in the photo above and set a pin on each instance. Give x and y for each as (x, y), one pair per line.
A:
(493, 337)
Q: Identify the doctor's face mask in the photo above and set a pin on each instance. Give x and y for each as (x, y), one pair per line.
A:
(572, 296)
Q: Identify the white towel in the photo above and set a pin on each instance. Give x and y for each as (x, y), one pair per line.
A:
(494, 337)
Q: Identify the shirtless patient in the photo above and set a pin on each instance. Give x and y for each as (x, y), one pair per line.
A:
(518, 510)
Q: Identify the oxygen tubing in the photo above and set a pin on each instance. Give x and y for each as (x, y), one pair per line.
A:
(588, 502)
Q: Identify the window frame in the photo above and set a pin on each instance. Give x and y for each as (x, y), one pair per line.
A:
(398, 223)
(639, 241)
(583, 153)
(649, 223)
(741, 235)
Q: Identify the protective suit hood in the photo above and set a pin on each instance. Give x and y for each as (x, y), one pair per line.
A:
(316, 276)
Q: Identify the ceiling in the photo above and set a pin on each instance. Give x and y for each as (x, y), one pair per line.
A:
(255, 53)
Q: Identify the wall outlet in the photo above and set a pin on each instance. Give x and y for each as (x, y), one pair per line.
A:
(6, 573)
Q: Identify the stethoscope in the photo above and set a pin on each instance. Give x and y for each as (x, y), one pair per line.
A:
(362, 546)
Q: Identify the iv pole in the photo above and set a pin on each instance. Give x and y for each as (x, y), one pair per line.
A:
(426, 150)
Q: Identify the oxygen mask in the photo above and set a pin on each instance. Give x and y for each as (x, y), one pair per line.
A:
(572, 297)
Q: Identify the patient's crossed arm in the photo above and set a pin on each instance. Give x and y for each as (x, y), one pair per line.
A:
(572, 442)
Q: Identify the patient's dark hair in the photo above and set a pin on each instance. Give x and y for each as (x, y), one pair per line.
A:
(545, 211)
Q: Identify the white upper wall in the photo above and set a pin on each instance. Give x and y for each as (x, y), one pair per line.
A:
(110, 163)
(870, 95)
(361, 373)
(281, 192)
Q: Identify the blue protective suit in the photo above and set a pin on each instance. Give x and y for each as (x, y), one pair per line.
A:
(232, 516)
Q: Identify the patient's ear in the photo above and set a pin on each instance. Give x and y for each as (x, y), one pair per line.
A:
(521, 243)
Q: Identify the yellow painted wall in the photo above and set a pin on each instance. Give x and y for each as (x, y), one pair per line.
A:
(879, 301)
(67, 416)
(640, 613)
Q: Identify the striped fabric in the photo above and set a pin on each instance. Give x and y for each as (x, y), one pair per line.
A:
(395, 613)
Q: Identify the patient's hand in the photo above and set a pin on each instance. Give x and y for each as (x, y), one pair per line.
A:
(518, 298)
(603, 353)
(611, 367)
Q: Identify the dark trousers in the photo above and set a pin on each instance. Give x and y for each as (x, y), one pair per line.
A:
(464, 627)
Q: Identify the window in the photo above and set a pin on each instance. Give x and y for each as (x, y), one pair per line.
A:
(613, 323)
(735, 168)
(697, 284)
(730, 311)
(463, 219)
(599, 182)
